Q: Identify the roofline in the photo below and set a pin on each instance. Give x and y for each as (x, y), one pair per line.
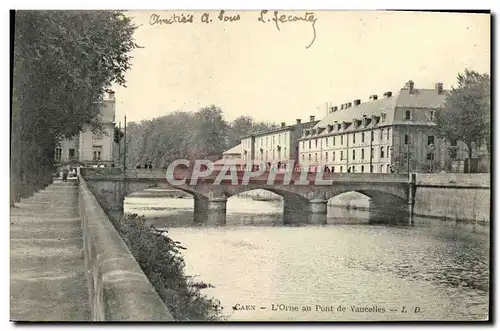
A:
(287, 127)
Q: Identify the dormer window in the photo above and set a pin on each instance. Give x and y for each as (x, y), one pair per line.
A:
(355, 123)
(375, 120)
(382, 117)
(344, 125)
(330, 128)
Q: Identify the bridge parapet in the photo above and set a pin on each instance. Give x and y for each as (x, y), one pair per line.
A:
(119, 289)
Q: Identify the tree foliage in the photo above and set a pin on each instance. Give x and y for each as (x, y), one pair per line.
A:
(185, 135)
(466, 113)
(64, 61)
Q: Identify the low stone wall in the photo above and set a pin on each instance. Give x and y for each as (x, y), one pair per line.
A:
(118, 288)
(453, 196)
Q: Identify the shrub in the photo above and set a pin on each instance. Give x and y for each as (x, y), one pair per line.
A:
(160, 259)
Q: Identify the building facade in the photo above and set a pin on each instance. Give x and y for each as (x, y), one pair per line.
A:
(90, 148)
(275, 147)
(232, 153)
(395, 133)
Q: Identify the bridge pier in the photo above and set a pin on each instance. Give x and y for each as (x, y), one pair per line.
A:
(318, 206)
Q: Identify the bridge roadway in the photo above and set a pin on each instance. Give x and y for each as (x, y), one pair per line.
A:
(391, 195)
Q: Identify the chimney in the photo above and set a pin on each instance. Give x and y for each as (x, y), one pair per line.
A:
(342, 107)
(373, 97)
(298, 120)
(357, 102)
(409, 85)
(439, 88)
(282, 124)
(111, 95)
(311, 118)
(388, 94)
(349, 104)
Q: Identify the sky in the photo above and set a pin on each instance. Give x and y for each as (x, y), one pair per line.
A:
(249, 67)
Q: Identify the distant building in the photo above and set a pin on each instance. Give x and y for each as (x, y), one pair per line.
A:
(232, 153)
(87, 147)
(275, 146)
(395, 133)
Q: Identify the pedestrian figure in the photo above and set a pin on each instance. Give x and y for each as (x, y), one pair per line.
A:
(65, 172)
(150, 165)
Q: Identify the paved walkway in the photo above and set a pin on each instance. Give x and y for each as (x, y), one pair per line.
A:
(47, 268)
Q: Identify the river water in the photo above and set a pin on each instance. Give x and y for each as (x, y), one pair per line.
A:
(345, 270)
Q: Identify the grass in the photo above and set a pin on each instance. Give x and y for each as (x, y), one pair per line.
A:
(161, 260)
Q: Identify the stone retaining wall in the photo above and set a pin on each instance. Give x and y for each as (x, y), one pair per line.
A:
(118, 288)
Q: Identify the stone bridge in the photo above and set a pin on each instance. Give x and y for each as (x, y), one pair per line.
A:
(391, 195)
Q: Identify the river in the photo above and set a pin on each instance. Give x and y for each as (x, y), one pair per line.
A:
(345, 270)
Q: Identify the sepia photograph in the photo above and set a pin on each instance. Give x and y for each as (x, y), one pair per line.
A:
(250, 166)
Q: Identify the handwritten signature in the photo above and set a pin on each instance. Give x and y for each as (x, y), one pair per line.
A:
(277, 19)
(265, 17)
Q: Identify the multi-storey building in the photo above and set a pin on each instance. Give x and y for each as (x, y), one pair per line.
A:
(89, 148)
(395, 133)
(276, 147)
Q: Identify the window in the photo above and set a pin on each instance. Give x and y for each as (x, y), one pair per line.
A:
(371, 153)
(97, 152)
(353, 138)
(354, 154)
(362, 168)
(388, 167)
(57, 154)
(309, 157)
(309, 144)
(316, 157)
(71, 153)
(267, 155)
(303, 144)
(316, 143)
(406, 139)
(326, 156)
(273, 154)
(286, 155)
(333, 141)
(381, 152)
(431, 115)
(388, 149)
(372, 135)
(341, 140)
(340, 168)
(381, 134)
(362, 137)
(430, 140)
(341, 155)
(303, 157)
(408, 115)
(388, 130)
(371, 168)
(363, 154)
(267, 140)
(333, 156)
(453, 143)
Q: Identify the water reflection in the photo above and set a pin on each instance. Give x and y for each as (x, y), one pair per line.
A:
(343, 258)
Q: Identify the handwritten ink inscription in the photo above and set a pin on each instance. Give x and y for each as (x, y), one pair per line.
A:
(265, 16)
(278, 18)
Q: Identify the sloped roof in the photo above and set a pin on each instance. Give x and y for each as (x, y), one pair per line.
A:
(235, 150)
(419, 98)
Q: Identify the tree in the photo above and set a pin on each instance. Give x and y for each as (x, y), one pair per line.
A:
(466, 112)
(64, 61)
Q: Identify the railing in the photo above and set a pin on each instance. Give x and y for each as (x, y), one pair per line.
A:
(118, 288)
